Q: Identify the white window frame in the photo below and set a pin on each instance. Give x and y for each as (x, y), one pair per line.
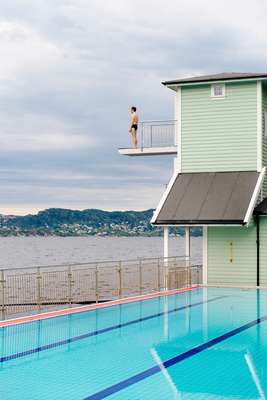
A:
(212, 93)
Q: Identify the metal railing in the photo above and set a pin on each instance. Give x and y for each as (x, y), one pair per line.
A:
(24, 290)
(157, 134)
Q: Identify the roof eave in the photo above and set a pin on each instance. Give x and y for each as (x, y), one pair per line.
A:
(173, 84)
(199, 223)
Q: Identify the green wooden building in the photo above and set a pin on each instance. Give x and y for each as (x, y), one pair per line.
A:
(219, 140)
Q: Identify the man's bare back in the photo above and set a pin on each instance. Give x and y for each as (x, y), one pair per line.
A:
(134, 126)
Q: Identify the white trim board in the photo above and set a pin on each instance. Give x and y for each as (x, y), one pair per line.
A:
(174, 86)
(259, 126)
(200, 226)
(254, 197)
(164, 196)
(178, 119)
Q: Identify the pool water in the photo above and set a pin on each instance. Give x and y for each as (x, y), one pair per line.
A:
(200, 344)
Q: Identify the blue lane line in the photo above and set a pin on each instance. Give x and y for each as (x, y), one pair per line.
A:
(172, 361)
(100, 331)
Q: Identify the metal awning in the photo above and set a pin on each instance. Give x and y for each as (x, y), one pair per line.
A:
(209, 198)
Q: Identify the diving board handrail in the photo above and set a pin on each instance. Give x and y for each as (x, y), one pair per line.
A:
(157, 133)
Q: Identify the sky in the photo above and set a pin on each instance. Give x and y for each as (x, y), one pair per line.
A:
(70, 70)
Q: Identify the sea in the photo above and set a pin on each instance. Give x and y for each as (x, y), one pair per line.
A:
(22, 252)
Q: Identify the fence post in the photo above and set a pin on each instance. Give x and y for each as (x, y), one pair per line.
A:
(69, 285)
(96, 284)
(38, 278)
(151, 135)
(120, 279)
(140, 277)
(190, 276)
(2, 292)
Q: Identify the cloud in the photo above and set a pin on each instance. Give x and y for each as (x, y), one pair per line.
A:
(41, 133)
(69, 71)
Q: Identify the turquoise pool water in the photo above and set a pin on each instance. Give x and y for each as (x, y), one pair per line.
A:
(202, 344)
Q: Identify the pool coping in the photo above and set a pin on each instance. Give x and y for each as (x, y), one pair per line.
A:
(229, 286)
(91, 307)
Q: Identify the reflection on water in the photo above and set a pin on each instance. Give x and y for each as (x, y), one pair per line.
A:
(203, 344)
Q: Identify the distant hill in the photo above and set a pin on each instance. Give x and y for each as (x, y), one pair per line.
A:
(65, 222)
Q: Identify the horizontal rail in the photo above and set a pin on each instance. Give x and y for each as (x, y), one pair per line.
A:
(160, 121)
(92, 263)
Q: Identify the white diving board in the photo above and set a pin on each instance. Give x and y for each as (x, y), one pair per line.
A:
(148, 151)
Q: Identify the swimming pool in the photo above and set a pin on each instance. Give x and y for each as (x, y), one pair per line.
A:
(200, 344)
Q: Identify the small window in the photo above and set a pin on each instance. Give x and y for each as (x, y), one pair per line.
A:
(218, 90)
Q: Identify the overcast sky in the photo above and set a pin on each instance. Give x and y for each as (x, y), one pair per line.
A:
(69, 71)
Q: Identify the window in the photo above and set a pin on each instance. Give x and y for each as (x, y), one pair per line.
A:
(218, 90)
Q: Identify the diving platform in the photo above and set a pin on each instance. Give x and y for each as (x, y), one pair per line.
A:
(148, 151)
(155, 138)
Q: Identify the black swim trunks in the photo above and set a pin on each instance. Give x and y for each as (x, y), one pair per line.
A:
(135, 126)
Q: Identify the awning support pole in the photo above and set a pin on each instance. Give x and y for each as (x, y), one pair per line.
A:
(187, 245)
(166, 255)
(166, 242)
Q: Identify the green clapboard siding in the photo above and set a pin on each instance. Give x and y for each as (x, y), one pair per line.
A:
(264, 138)
(242, 270)
(220, 134)
(263, 251)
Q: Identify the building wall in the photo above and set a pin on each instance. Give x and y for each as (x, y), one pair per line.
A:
(264, 138)
(243, 268)
(243, 252)
(219, 134)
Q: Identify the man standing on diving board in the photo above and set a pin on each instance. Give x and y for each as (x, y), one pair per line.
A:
(134, 126)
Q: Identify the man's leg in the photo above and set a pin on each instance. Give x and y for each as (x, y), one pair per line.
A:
(134, 138)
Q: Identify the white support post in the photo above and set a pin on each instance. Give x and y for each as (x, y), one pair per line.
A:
(166, 241)
(205, 256)
(187, 245)
(188, 272)
(166, 305)
(166, 255)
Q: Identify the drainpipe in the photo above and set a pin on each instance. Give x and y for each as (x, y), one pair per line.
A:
(258, 248)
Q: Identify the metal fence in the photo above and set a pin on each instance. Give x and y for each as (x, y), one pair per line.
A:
(157, 134)
(42, 288)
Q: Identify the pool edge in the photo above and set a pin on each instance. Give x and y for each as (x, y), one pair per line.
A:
(91, 307)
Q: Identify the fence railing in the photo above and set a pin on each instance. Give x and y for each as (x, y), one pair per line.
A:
(157, 134)
(37, 289)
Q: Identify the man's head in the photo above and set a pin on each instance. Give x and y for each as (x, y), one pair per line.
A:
(133, 109)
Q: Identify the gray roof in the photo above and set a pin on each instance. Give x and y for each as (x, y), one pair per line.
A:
(208, 198)
(261, 208)
(218, 77)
